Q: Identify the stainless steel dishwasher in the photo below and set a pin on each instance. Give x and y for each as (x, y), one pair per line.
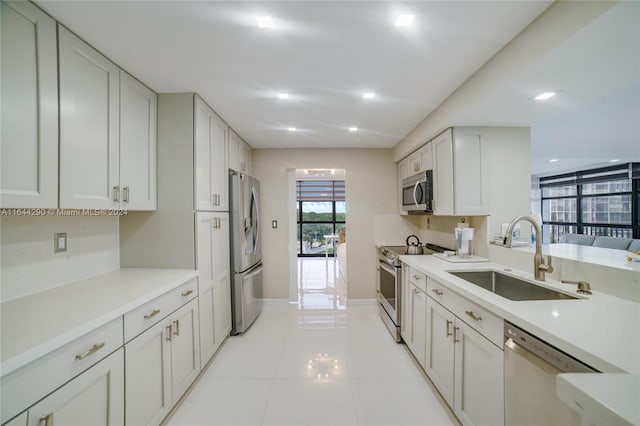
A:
(530, 369)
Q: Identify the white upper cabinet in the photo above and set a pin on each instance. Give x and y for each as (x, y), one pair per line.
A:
(107, 132)
(420, 160)
(89, 126)
(460, 173)
(138, 144)
(29, 127)
(211, 170)
(239, 154)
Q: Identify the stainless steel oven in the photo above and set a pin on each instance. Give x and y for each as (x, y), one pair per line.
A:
(389, 294)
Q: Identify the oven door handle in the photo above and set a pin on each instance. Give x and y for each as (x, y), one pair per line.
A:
(388, 268)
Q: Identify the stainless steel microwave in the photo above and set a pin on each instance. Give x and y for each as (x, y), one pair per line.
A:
(417, 193)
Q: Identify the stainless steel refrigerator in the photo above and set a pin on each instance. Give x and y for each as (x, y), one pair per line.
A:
(246, 250)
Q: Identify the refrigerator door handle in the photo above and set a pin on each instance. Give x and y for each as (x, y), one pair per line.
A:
(256, 230)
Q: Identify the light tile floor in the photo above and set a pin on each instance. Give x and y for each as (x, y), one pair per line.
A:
(320, 284)
(313, 367)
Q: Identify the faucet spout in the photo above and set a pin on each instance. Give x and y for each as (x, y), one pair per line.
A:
(539, 265)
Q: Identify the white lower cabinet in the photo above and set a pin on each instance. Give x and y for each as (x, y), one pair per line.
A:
(417, 305)
(465, 367)
(440, 357)
(478, 378)
(161, 364)
(213, 281)
(21, 420)
(96, 397)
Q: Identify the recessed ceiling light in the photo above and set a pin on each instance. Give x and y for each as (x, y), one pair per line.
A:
(368, 95)
(615, 160)
(283, 96)
(545, 95)
(554, 160)
(353, 129)
(404, 20)
(264, 21)
(292, 129)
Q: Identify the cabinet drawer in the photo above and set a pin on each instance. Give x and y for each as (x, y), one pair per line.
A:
(479, 318)
(138, 320)
(418, 279)
(27, 385)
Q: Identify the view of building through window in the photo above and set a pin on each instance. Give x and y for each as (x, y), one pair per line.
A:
(321, 215)
(594, 202)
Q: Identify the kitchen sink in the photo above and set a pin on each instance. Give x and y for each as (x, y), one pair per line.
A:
(510, 287)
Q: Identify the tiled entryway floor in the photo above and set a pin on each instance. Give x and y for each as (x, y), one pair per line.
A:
(313, 367)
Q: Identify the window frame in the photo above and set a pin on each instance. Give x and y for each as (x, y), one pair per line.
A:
(628, 171)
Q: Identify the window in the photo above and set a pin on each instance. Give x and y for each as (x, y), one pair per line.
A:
(602, 201)
(321, 211)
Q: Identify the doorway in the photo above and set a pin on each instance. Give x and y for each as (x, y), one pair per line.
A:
(317, 235)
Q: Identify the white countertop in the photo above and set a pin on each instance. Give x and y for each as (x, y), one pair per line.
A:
(602, 399)
(34, 325)
(600, 330)
(598, 255)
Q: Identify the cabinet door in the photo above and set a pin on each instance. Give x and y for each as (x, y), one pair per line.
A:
(185, 348)
(148, 376)
(439, 359)
(470, 173)
(234, 151)
(138, 143)
(442, 147)
(426, 157)
(222, 282)
(418, 324)
(245, 158)
(29, 123)
(479, 386)
(214, 281)
(89, 126)
(95, 397)
(414, 164)
(211, 178)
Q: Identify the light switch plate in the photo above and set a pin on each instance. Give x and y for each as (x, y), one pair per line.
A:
(274, 224)
(60, 242)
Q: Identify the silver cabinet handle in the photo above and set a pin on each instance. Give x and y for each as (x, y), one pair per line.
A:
(152, 314)
(95, 348)
(125, 194)
(187, 293)
(177, 330)
(46, 420)
(168, 332)
(473, 316)
(448, 330)
(455, 334)
(438, 292)
(116, 194)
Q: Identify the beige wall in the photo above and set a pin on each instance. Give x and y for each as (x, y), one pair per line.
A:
(371, 190)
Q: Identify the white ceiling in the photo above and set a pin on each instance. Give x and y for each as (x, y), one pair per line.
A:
(326, 54)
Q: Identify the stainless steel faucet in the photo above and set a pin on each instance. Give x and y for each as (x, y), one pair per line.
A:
(539, 265)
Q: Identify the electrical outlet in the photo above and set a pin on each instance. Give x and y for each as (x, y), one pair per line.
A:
(60, 242)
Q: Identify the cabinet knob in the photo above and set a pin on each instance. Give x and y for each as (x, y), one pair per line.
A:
(438, 292)
(187, 293)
